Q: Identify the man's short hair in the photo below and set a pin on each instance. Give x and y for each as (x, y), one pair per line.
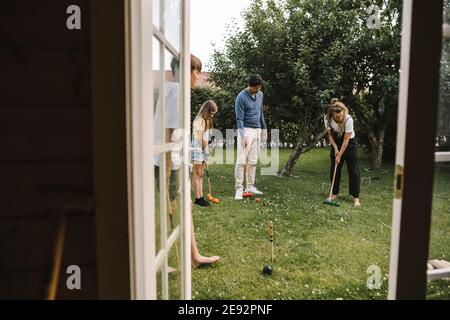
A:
(255, 80)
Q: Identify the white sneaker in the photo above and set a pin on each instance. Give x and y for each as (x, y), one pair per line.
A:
(238, 195)
(253, 190)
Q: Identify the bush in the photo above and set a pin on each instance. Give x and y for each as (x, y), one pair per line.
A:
(226, 117)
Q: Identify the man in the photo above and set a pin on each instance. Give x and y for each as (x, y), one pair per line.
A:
(250, 124)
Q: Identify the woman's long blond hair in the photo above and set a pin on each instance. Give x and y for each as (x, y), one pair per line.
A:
(207, 109)
(335, 103)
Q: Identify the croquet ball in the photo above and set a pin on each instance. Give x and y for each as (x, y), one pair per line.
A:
(267, 270)
(215, 200)
(257, 199)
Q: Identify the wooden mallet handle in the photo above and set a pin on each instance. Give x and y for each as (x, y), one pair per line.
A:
(271, 240)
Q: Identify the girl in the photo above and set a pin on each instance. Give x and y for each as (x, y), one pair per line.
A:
(343, 144)
(202, 123)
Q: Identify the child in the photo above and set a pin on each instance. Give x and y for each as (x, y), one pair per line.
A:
(202, 123)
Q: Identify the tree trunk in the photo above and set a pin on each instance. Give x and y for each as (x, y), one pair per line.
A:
(295, 155)
(293, 158)
(377, 144)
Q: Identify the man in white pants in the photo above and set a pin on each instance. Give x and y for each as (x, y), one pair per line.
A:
(251, 125)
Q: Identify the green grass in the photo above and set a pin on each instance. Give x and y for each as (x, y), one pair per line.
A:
(321, 252)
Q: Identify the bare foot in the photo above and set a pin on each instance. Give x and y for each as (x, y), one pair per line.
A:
(333, 197)
(356, 202)
(200, 260)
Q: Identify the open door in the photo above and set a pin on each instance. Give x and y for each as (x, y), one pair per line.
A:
(415, 156)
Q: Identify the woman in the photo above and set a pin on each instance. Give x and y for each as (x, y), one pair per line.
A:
(344, 147)
(202, 124)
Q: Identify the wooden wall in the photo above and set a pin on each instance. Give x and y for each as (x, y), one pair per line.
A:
(46, 145)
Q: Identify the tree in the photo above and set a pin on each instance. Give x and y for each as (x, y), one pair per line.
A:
(273, 43)
(309, 52)
(374, 73)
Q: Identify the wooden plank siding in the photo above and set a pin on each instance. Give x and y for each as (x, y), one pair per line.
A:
(46, 144)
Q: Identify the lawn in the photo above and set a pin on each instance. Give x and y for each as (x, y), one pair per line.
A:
(321, 252)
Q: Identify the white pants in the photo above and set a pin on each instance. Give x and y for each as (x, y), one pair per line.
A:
(247, 158)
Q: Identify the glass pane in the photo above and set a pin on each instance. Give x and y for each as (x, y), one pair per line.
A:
(158, 94)
(157, 210)
(159, 294)
(175, 271)
(443, 124)
(156, 13)
(167, 97)
(169, 12)
(158, 137)
(167, 193)
(439, 251)
(172, 22)
(174, 274)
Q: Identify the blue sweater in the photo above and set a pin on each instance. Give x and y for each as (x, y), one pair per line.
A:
(249, 111)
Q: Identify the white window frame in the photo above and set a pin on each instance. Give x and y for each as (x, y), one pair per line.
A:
(145, 262)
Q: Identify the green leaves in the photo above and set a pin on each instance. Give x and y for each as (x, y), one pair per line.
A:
(310, 51)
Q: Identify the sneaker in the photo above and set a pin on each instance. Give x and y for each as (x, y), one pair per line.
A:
(253, 190)
(238, 195)
(205, 202)
(198, 201)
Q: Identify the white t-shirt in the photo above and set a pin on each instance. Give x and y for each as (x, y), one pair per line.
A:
(172, 117)
(348, 125)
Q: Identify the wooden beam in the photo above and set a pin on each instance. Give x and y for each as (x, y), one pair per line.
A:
(110, 148)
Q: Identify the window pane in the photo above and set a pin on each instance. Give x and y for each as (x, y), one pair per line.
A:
(169, 12)
(175, 266)
(167, 97)
(156, 13)
(439, 251)
(443, 121)
(172, 22)
(158, 94)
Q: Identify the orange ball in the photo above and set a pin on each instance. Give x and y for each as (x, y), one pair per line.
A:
(257, 199)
